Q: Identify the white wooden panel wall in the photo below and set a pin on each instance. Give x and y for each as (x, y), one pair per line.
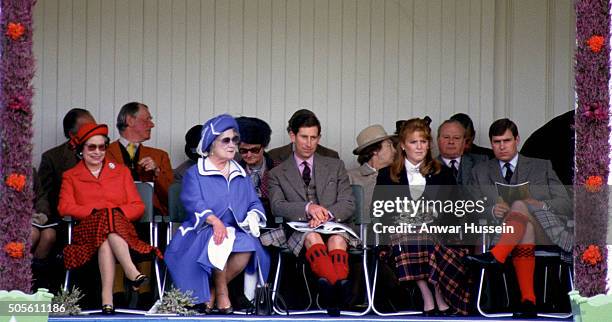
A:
(353, 62)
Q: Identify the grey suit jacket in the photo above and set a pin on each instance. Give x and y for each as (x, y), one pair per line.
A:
(288, 193)
(544, 185)
(283, 153)
(468, 162)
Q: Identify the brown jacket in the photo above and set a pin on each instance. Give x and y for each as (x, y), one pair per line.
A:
(282, 153)
(161, 183)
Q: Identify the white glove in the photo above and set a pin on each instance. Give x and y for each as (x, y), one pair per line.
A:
(251, 223)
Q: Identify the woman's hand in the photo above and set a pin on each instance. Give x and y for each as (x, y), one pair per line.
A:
(219, 231)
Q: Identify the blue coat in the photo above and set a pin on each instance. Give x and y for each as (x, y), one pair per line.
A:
(206, 191)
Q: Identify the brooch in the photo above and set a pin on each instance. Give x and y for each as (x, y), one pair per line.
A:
(111, 165)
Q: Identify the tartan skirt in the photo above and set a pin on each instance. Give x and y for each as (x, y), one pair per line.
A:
(418, 257)
(91, 232)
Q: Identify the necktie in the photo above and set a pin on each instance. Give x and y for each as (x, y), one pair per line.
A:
(256, 180)
(453, 165)
(509, 172)
(131, 150)
(306, 173)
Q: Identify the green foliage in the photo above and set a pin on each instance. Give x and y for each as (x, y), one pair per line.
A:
(69, 300)
(177, 302)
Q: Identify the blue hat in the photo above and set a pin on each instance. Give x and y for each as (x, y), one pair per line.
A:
(213, 128)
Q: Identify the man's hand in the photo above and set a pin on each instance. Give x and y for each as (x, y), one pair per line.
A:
(318, 213)
(534, 203)
(500, 209)
(148, 164)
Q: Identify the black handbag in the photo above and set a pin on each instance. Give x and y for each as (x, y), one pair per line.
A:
(263, 300)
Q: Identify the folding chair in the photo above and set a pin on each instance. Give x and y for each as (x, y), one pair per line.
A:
(541, 253)
(145, 190)
(361, 219)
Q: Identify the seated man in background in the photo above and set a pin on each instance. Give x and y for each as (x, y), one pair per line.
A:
(53, 164)
(451, 143)
(284, 152)
(539, 219)
(308, 187)
(470, 134)
(146, 164)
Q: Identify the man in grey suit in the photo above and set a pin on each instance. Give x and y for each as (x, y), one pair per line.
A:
(540, 218)
(311, 188)
(451, 143)
(283, 153)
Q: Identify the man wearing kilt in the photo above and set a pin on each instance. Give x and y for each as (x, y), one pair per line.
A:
(315, 189)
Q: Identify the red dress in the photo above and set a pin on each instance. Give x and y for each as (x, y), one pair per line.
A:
(102, 205)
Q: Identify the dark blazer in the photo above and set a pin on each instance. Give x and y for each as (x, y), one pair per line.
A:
(161, 183)
(53, 164)
(468, 161)
(265, 187)
(284, 152)
(288, 194)
(544, 185)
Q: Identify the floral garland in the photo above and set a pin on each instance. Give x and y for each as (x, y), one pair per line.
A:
(592, 147)
(16, 208)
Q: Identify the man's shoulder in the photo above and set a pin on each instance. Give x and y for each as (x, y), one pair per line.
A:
(153, 152)
(483, 166)
(327, 152)
(55, 152)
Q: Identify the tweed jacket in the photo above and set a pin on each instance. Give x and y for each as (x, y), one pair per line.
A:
(282, 153)
(544, 185)
(288, 194)
(162, 181)
(468, 162)
(53, 164)
(364, 176)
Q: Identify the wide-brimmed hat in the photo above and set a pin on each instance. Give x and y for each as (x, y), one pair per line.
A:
(370, 135)
(86, 131)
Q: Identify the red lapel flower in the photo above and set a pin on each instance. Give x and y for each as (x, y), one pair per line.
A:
(593, 183)
(14, 249)
(15, 30)
(16, 181)
(596, 42)
(592, 255)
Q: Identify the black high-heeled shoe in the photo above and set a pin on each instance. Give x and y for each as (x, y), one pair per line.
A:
(108, 309)
(203, 308)
(226, 310)
(138, 281)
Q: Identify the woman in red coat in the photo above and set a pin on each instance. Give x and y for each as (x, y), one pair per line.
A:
(102, 196)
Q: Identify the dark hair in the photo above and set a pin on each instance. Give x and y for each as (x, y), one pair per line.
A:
(451, 122)
(500, 126)
(368, 152)
(467, 123)
(254, 131)
(303, 120)
(70, 120)
(192, 138)
(298, 113)
(130, 109)
(429, 164)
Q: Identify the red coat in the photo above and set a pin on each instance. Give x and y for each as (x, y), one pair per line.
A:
(81, 192)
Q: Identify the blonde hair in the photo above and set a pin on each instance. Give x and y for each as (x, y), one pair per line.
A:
(429, 164)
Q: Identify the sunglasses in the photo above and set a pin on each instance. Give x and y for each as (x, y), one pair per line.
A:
(254, 150)
(227, 140)
(93, 147)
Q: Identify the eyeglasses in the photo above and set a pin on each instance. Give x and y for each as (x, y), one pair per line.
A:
(227, 140)
(93, 147)
(254, 150)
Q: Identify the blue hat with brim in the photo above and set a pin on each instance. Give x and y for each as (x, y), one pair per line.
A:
(212, 129)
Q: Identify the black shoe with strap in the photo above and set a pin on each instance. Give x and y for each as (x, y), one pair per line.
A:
(108, 309)
(526, 310)
(138, 281)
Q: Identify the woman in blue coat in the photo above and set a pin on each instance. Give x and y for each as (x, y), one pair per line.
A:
(219, 238)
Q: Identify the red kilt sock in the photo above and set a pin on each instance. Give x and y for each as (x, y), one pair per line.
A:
(523, 259)
(508, 241)
(339, 258)
(320, 263)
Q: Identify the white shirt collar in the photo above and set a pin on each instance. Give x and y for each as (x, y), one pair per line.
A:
(125, 142)
(512, 162)
(448, 161)
(207, 168)
(411, 168)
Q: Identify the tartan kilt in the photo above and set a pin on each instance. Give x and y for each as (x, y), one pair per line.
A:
(91, 232)
(411, 256)
(452, 277)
